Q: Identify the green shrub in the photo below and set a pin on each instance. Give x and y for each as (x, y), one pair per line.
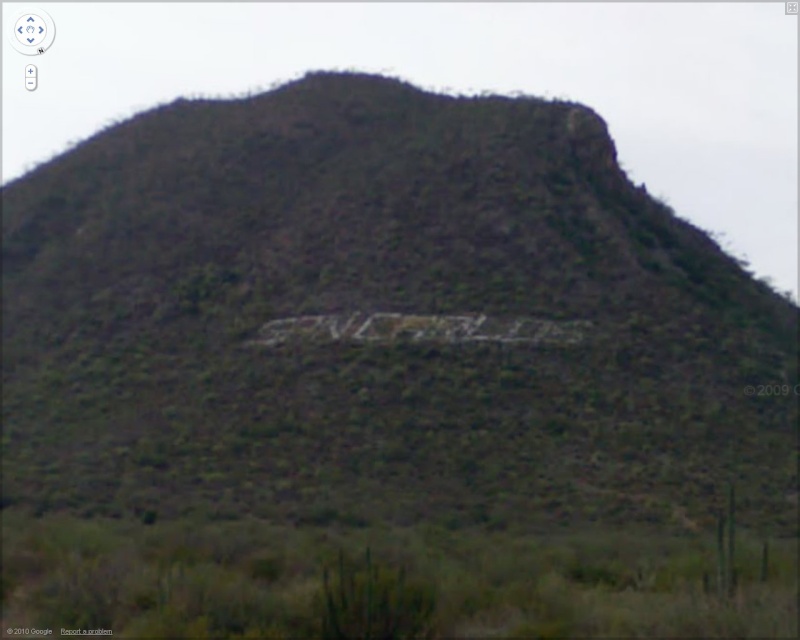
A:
(81, 592)
(551, 610)
(598, 575)
(7, 585)
(266, 568)
(544, 630)
(227, 602)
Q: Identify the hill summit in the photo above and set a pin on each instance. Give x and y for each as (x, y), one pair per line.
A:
(142, 270)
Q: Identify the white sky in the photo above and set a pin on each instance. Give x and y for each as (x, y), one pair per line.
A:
(701, 99)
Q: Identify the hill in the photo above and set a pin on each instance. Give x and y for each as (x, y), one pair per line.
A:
(141, 271)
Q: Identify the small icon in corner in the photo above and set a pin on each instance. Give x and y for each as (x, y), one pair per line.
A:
(791, 8)
(40, 50)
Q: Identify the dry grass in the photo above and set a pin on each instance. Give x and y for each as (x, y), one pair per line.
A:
(257, 580)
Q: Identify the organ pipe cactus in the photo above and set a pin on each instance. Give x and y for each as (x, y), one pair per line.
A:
(375, 603)
(726, 564)
(727, 575)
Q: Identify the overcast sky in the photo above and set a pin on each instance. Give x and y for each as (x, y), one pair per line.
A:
(701, 99)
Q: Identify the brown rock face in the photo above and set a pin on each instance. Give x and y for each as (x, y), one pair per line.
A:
(593, 147)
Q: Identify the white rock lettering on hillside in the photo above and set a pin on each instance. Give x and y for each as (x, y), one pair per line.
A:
(391, 327)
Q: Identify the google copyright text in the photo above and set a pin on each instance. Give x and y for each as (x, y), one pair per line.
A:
(772, 390)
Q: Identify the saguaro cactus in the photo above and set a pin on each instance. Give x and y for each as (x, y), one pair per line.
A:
(726, 564)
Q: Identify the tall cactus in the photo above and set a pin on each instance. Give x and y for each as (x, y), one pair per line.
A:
(722, 569)
(726, 558)
(375, 603)
(731, 541)
(727, 575)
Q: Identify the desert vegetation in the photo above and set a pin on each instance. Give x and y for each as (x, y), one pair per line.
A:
(260, 580)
